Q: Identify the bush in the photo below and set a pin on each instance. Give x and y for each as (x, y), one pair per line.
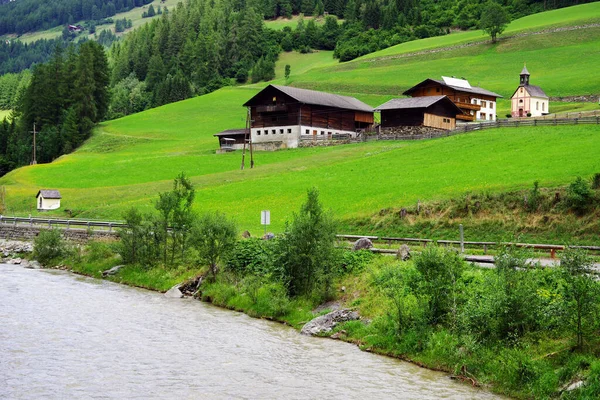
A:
(441, 270)
(579, 195)
(535, 197)
(509, 115)
(253, 256)
(272, 300)
(48, 245)
(596, 181)
(355, 261)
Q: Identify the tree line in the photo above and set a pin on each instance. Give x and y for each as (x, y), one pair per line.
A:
(64, 99)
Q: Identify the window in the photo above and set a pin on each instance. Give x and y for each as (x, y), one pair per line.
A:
(491, 105)
(490, 117)
(266, 131)
(484, 104)
(437, 90)
(274, 131)
(281, 131)
(521, 101)
(308, 131)
(258, 133)
(329, 133)
(537, 106)
(274, 100)
(543, 106)
(483, 116)
(322, 132)
(289, 130)
(521, 90)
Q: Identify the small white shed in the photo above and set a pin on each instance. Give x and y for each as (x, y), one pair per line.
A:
(48, 200)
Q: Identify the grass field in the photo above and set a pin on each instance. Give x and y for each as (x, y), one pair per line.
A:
(280, 23)
(129, 160)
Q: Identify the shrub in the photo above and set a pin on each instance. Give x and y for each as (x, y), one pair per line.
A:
(48, 245)
(355, 261)
(441, 270)
(596, 181)
(509, 115)
(253, 256)
(213, 236)
(579, 195)
(535, 197)
(272, 300)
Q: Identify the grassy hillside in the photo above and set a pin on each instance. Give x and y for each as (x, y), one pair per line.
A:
(129, 160)
(135, 15)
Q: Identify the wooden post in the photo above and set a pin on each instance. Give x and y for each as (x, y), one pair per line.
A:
(552, 253)
(462, 238)
(245, 139)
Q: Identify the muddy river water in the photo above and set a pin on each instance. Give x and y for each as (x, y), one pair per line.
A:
(63, 336)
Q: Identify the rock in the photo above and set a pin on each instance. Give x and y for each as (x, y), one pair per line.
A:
(362, 244)
(174, 292)
(15, 261)
(403, 253)
(113, 270)
(246, 235)
(268, 236)
(325, 323)
(191, 287)
(25, 263)
(574, 386)
(339, 334)
(35, 264)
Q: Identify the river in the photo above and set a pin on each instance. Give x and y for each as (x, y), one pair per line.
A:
(63, 336)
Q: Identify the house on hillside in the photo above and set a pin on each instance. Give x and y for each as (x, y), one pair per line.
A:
(48, 200)
(475, 103)
(282, 116)
(429, 111)
(528, 100)
(231, 139)
(75, 28)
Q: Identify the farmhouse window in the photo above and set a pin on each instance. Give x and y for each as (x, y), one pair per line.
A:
(274, 131)
(483, 104)
(266, 131)
(490, 117)
(308, 131)
(258, 133)
(491, 105)
(437, 89)
(281, 131)
(322, 132)
(289, 130)
(274, 100)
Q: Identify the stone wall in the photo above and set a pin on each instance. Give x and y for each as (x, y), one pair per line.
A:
(16, 232)
(577, 99)
(412, 131)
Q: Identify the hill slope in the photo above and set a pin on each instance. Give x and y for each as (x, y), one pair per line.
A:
(129, 160)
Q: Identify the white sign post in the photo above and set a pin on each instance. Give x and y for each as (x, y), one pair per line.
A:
(265, 218)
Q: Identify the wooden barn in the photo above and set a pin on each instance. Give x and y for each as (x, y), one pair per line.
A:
(431, 111)
(287, 115)
(474, 102)
(231, 139)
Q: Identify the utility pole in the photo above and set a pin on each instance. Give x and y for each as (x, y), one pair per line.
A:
(34, 158)
(247, 129)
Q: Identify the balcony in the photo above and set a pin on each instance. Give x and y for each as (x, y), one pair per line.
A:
(271, 108)
(465, 117)
(468, 106)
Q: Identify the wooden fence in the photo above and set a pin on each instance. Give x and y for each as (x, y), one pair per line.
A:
(516, 123)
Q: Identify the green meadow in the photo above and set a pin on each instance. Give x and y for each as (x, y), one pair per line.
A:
(128, 161)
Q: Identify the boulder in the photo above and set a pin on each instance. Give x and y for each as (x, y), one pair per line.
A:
(113, 270)
(174, 292)
(246, 235)
(268, 236)
(403, 253)
(325, 323)
(362, 244)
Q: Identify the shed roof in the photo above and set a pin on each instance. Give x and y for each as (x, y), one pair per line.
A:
(231, 132)
(318, 98)
(48, 194)
(472, 89)
(417, 102)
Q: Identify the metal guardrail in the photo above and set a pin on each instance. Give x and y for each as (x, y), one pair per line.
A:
(552, 248)
(56, 222)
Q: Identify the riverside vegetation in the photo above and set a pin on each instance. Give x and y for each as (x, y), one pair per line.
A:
(518, 330)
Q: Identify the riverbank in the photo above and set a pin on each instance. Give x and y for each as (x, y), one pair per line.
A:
(541, 363)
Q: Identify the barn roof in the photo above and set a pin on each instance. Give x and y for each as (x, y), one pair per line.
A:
(417, 102)
(472, 89)
(48, 194)
(231, 132)
(319, 98)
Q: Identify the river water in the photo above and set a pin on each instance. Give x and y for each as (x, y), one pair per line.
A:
(68, 337)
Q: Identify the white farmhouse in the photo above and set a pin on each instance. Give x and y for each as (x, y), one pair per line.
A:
(528, 99)
(48, 200)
